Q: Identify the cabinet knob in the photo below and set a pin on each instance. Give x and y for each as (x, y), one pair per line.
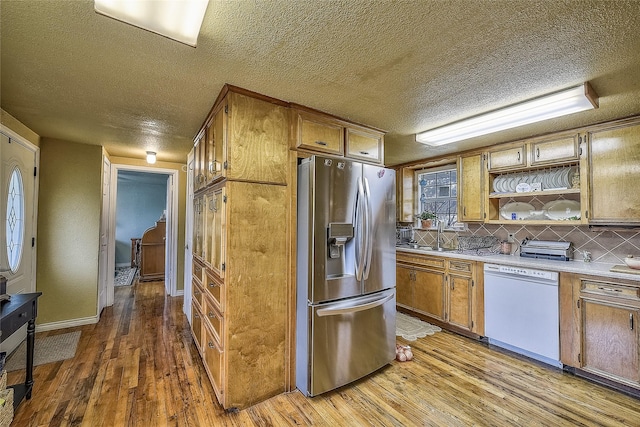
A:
(321, 143)
(631, 321)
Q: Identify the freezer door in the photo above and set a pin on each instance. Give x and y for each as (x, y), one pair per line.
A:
(380, 267)
(350, 339)
(334, 184)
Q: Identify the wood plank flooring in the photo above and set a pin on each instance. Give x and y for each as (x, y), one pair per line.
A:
(138, 367)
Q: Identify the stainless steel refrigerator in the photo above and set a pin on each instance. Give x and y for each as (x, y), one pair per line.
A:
(346, 276)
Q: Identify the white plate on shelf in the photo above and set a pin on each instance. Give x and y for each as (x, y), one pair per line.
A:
(516, 210)
(562, 209)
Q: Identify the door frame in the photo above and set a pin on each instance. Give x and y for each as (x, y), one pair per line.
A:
(105, 280)
(172, 222)
(36, 186)
(188, 239)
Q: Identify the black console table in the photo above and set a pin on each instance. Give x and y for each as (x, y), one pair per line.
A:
(21, 309)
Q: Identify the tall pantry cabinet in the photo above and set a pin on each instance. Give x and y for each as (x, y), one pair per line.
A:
(240, 246)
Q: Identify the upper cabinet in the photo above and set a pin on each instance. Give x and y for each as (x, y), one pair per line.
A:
(554, 150)
(245, 137)
(507, 158)
(614, 173)
(470, 188)
(364, 144)
(317, 132)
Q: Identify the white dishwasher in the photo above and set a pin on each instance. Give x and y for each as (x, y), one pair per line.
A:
(521, 311)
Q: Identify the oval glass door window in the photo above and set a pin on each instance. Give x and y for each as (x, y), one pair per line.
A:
(15, 220)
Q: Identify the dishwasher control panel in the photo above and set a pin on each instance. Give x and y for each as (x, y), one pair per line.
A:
(520, 271)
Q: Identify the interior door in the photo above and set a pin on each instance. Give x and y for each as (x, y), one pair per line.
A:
(18, 196)
(106, 274)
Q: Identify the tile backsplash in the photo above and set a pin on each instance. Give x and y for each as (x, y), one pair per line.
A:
(609, 246)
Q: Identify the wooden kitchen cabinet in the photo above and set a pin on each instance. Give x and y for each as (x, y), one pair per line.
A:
(599, 328)
(405, 279)
(441, 290)
(507, 158)
(429, 293)
(614, 156)
(241, 255)
(471, 188)
(318, 132)
(555, 150)
(364, 144)
(610, 341)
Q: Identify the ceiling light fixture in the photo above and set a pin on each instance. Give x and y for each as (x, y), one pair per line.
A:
(176, 19)
(557, 104)
(151, 157)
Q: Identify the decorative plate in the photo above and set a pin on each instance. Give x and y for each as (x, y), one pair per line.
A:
(562, 209)
(516, 210)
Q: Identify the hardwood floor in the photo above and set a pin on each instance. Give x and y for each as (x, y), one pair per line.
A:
(139, 367)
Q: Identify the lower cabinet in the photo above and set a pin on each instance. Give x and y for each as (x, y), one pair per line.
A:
(440, 289)
(599, 327)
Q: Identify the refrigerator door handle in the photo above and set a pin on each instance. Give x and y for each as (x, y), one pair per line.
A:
(349, 308)
(360, 235)
(368, 229)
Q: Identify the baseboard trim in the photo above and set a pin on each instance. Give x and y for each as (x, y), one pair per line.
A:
(179, 293)
(123, 264)
(52, 326)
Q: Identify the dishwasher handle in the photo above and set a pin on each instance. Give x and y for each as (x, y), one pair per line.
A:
(346, 308)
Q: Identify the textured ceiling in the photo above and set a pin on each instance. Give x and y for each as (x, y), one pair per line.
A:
(403, 66)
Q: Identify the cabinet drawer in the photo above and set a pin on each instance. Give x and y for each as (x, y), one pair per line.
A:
(320, 134)
(554, 151)
(507, 159)
(196, 325)
(198, 271)
(198, 293)
(461, 266)
(214, 319)
(364, 145)
(611, 289)
(213, 360)
(213, 287)
(420, 260)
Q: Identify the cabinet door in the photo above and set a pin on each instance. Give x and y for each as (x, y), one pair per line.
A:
(555, 151)
(364, 145)
(197, 164)
(198, 225)
(196, 325)
(320, 134)
(610, 340)
(614, 157)
(214, 363)
(428, 293)
(404, 286)
(219, 147)
(218, 223)
(471, 189)
(507, 158)
(460, 301)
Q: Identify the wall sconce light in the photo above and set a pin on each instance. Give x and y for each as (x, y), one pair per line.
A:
(557, 104)
(151, 157)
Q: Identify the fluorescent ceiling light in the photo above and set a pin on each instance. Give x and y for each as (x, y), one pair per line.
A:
(176, 19)
(151, 157)
(557, 104)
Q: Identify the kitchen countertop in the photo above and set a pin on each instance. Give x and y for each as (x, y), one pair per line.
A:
(580, 267)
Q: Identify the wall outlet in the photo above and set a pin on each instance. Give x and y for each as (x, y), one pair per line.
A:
(511, 237)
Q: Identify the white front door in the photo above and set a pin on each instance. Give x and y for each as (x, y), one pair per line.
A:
(106, 273)
(18, 190)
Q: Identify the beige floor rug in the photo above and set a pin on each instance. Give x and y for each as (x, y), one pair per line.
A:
(411, 328)
(52, 348)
